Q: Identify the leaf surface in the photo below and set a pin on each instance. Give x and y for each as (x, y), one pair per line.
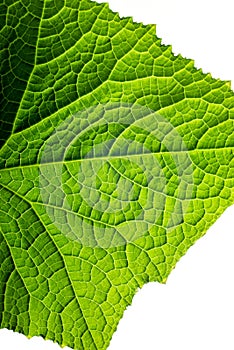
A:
(116, 156)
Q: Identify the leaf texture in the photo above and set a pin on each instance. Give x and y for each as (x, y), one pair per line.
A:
(116, 156)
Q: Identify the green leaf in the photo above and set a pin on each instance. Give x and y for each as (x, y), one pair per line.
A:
(116, 156)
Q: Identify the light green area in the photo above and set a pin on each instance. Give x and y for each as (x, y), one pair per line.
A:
(58, 59)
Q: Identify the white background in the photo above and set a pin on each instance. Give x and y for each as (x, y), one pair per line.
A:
(195, 309)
